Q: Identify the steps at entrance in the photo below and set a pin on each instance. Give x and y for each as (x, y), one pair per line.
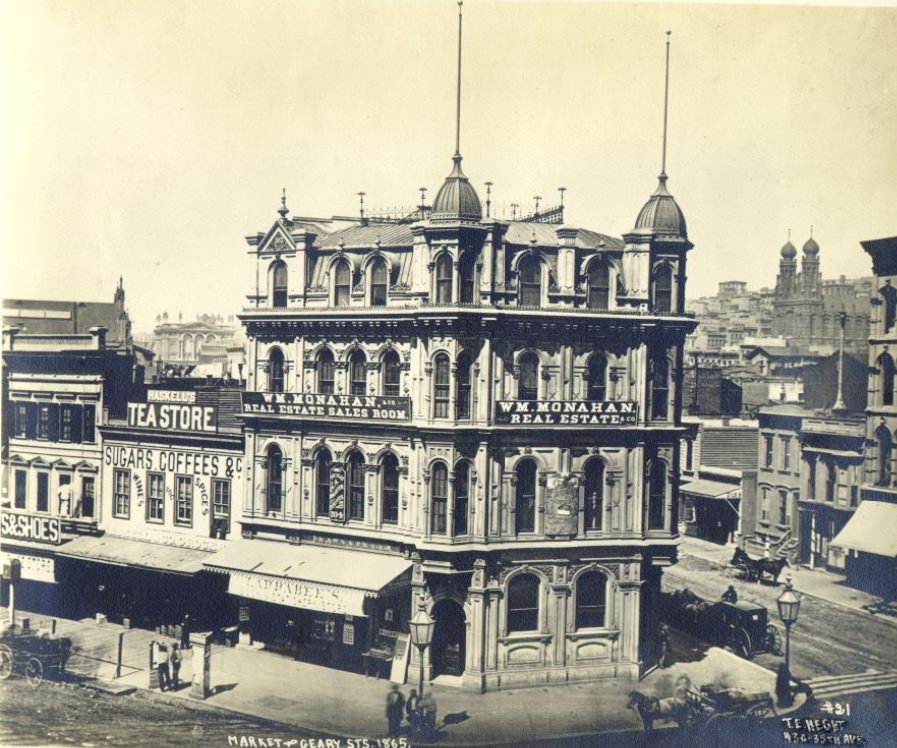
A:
(827, 686)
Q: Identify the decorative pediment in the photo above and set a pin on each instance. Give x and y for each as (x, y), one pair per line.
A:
(17, 459)
(40, 462)
(61, 464)
(276, 240)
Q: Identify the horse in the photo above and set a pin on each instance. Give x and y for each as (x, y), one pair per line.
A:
(771, 566)
(650, 708)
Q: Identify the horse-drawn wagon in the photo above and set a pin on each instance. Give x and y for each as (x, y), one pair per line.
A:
(36, 655)
(752, 569)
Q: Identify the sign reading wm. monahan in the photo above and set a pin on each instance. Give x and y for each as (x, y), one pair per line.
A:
(566, 412)
(320, 406)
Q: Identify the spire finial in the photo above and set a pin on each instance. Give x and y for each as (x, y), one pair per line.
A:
(666, 100)
(458, 93)
(488, 197)
(811, 230)
(536, 199)
(562, 190)
(514, 207)
(789, 235)
(283, 210)
(361, 205)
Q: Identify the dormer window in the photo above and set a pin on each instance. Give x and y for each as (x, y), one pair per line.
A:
(444, 280)
(342, 283)
(530, 282)
(379, 282)
(279, 285)
(468, 276)
(663, 290)
(599, 286)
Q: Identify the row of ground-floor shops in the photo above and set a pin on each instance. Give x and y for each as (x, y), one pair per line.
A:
(501, 619)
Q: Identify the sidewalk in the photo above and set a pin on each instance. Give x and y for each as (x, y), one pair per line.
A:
(816, 582)
(269, 686)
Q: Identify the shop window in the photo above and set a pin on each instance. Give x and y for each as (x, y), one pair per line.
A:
(65, 424)
(439, 499)
(883, 438)
(525, 497)
(596, 383)
(220, 508)
(355, 481)
(322, 483)
(599, 286)
(441, 385)
(767, 451)
(591, 600)
(523, 603)
(183, 500)
(528, 384)
(89, 414)
(663, 290)
(389, 485)
(43, 422)
(468, 278)
(886, 366)
(444, 279)
(21, 497)
(121, 493)
(657, 484)
(379, 281)
(783, 507)
(43, 492)
(593, 493)
(342, 283)
(660, 387)
(325, 372)
(830, 482)
(463, 378)
(461, 505)
(392, 374)
(88, 497)
(529, 273)
(155, 497)
(275, 371)
(279, 285)
(274, 492)
(358, 373)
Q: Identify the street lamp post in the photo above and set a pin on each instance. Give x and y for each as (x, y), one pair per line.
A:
(422, 626)
(789, 607)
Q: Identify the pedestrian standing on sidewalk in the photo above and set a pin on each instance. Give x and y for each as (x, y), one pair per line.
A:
(162, 668)
(186, 625)
(428, 713)
(395, 704)
(412, 713)
(175, 663)
(666, 651)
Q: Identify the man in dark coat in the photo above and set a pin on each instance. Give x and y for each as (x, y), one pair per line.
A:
(395, 704)
(186, 625)
(730, 595)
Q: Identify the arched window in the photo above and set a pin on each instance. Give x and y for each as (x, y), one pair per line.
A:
(657, 494)
(275, 370)
(889, 298)
(525, 497)
(439, 499)
(274, 493)
(660, 387)
(379, 281)
(596, 389)
(355, 484)
(529, 273)
(467, 271)
(279, 284)
(883, 439)
(462, 387)
(322, 483)
(462, 498)
(342, 283)
(392, 374)
(593, 493)
(389, 489)
(663, 289)
(591, 600)
(441, 385)
(599, 286)
(528, 386)
(523, 603)
(444, 279)
(325, 372)
(358, 373)
(886, 366)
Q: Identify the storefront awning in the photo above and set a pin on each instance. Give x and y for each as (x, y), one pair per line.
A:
(871, 529)
(110, 549)
(333, 580)
(711, 489)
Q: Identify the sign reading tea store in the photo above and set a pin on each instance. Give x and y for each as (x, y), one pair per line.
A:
(308, 405)
(566, 412)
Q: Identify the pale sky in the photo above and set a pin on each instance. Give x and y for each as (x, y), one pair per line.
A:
(146, 139)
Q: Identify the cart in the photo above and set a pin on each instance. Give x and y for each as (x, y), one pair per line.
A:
(36, 655)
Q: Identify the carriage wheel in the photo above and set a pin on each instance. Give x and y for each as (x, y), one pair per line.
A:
(712, 729)
(6, 662)
(740, 643)
(34, 672)
(763, 710)
(774, 640)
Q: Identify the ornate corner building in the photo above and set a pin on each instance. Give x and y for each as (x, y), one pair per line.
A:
(483, 413)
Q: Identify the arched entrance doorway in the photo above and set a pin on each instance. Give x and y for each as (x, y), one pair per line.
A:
(448, 649)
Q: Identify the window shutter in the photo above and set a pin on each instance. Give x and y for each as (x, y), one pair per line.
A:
(31, 421)
(76, 423)
(53, 423)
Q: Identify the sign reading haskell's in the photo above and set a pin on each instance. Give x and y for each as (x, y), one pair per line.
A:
(566, 412)
(35, 527)
(171, 396)
(372, 407)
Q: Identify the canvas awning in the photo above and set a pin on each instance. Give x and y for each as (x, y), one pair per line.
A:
(711, 489)
(333, 580)
(140, 554)
(871, 529)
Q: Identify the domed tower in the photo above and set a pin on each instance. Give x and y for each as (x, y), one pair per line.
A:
(810, 273)
(456, 200)
(787, 269)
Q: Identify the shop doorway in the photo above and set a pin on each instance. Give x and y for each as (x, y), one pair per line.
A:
(449, 638)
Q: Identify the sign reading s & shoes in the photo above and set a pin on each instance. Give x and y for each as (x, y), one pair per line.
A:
(566, 412)
(165, 415)
(33, 527)
(307, 405)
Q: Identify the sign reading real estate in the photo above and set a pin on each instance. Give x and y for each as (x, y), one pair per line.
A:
(172, 416)
(34, 527)
(307, 405)
(566, 412)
